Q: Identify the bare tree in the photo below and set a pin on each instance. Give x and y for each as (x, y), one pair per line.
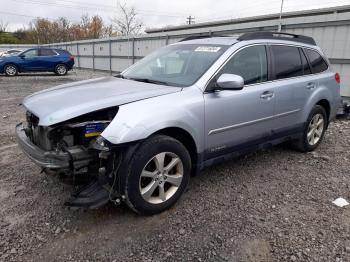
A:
(3, 26)
(127, 23)
(43, 31)
(63, 26)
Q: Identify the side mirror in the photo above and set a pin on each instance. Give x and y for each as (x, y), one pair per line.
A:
(230, 82)
(22, 56)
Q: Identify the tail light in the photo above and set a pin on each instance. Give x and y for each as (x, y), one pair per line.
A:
(71, 57)
(337, 78)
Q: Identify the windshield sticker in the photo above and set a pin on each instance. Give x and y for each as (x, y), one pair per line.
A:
(211, 49)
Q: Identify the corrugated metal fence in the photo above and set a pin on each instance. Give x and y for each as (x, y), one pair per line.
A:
(114, 54)
(330, 28)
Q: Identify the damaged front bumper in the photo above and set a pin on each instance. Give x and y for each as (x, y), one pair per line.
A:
(44, 159)
(97, 163)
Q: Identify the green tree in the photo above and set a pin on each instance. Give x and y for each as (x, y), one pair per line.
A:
(8, 38)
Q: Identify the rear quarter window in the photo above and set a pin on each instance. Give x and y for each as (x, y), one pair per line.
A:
(318, 64)
(63, 52)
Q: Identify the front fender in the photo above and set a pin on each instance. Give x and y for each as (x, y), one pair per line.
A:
(2, 66)
(140, 119)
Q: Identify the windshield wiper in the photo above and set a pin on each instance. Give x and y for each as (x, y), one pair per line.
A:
(147, 80)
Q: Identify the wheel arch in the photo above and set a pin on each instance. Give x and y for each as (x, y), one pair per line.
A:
(322, 97)
(326, 105)
(185, 138)
(11, 63)
(60, 63)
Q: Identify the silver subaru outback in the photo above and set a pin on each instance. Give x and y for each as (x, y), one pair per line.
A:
(137, 137)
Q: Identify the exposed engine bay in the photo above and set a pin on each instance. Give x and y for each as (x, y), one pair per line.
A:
(82, 159)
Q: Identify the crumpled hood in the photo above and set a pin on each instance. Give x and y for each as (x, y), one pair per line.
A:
(67, 101)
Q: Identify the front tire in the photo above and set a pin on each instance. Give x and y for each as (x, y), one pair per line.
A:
(11, 70)
(61, 69)
(314, 130)
(158, 175)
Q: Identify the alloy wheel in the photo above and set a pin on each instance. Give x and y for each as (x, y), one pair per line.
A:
(11, 70)
(315, 130)
(61, 69)
(161, 177)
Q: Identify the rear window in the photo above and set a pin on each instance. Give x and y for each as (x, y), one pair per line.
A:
(287, 61)
(318, 64)
(47, 52)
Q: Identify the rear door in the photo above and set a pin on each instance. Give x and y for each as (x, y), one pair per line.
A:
(47, 58)
(238, 119)
(294, 86)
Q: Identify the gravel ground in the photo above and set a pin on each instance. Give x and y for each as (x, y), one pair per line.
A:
(273, 205)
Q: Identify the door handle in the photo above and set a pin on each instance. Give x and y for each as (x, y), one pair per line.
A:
(267, 95)
(310, 86)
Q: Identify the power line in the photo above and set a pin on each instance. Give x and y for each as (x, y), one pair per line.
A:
(112, 6)
(273, 7)
(16, 14)
(29, 16)
(103, 8)
(248, 7)
(237, 13)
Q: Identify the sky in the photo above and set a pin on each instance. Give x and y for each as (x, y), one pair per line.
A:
(153, 13)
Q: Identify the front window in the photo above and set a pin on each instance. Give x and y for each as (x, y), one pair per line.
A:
(30, 53)
(250, 63)
(176, 65)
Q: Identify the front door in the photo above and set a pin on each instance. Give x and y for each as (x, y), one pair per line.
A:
(238, 119)
(29, 60)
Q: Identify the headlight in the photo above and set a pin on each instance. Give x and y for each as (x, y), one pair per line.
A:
(101, 144)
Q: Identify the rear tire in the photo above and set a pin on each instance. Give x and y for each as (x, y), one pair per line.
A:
(61, 69)
(314, 130)
(158, 175)
(10, 70)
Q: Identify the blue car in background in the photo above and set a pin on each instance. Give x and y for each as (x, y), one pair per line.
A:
(39, 59)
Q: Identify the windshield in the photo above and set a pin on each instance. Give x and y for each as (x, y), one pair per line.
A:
(175, 65)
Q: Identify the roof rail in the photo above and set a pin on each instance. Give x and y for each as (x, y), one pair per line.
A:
(193, 37)
(277, 35)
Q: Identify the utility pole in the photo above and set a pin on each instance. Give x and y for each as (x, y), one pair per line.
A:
(280, 20)
(190, 20)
